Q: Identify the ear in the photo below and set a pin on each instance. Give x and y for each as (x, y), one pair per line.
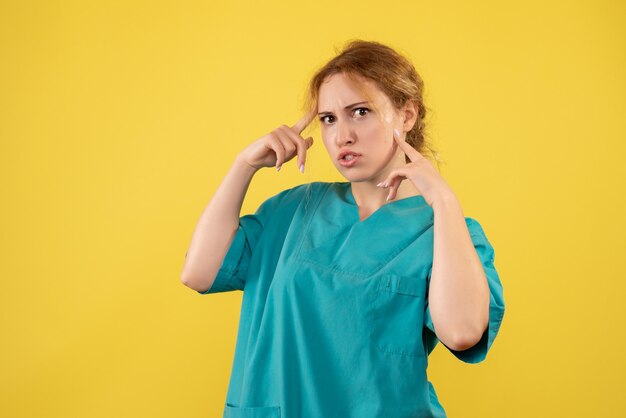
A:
(409, 113)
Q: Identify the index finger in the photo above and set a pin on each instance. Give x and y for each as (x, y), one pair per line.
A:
(406, 147)
(304, 121)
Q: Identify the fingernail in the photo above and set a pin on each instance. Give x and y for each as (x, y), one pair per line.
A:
(278, 168)
(379, 184)
(388, 197)
(302, 168)
(395, 131)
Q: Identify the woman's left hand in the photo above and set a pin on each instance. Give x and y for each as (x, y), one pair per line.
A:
(420, 171)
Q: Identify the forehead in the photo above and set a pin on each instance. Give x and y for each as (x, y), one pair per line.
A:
(338, 91)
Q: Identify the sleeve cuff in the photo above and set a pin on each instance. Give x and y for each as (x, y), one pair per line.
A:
(227, 277)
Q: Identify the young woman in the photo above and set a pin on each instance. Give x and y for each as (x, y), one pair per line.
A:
(348, 286)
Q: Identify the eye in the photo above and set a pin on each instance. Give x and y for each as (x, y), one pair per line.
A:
(358, 109)
(322, 119)
(362, 109)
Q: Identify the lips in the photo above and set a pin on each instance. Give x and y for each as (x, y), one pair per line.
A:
(350, 163)
(342, 154)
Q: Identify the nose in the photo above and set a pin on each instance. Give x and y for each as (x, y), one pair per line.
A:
(344, 134)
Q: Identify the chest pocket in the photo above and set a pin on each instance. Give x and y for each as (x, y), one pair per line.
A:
(398, 319)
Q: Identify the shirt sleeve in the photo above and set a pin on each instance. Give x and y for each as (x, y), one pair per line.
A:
(232, 274)
(478, 352)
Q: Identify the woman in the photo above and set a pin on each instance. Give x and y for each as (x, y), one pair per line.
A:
(348, 286)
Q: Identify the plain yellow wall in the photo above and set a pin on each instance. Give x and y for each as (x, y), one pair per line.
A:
(118, 120)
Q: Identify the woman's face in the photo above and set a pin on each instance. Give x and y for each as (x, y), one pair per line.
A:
(349, 123)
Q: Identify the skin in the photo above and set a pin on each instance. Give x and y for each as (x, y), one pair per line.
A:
(366, 132)
(458, 292)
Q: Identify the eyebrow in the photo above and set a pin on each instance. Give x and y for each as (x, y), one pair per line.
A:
(347, 107)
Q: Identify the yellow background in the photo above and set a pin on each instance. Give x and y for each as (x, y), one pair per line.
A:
(118, 120)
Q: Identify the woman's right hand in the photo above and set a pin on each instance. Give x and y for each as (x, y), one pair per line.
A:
(280, 146)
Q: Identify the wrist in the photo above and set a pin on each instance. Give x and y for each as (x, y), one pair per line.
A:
(241, 165)
(445, 199)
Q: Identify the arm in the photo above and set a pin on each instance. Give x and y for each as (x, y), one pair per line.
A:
(459, 291)
(220, 220)
(459, 300)
(217, 227)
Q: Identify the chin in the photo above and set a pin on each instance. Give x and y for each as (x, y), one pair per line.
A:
(354, 177)
(359, 175)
